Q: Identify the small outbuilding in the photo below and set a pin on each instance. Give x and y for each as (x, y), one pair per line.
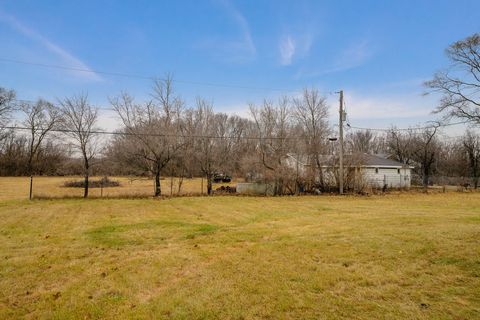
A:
(379, 171)
(376, 170)
(360, 170)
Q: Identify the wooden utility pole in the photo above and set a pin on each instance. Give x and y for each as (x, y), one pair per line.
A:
(340, 126)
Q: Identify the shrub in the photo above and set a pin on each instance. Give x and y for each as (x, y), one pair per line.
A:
(101, 183)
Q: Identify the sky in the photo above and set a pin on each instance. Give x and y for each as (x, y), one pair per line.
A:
(237, 52)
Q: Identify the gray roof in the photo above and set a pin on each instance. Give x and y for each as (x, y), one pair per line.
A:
(377, 161)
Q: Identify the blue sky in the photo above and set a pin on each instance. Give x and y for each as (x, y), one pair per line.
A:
(378, 52)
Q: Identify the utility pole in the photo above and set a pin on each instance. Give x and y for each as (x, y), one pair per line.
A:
(340, 126)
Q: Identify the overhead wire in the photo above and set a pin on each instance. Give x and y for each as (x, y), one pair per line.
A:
(152, 78)
(56, 104)
(162, 135)
(410, 128)
(438, 124)
(348, 121)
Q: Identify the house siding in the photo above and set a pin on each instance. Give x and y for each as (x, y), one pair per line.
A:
(388, 176)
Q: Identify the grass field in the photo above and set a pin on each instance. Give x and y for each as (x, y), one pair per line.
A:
(405, 256)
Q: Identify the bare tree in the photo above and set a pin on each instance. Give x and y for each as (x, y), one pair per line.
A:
(6, 106)
(452, 162)
(214, 140)
(205, 141)
(231, 131)
(471, 146)
(400, 145)
(13, 155)
(78, 121)
(273, 126)
(41, 117)
(311, 114)
(50, 158)
(6, 109)
(210, 140)
(425, 151)
(460, 83)
(154, 130)
(365, 141)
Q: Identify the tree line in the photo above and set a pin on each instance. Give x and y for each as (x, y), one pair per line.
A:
(163, 136)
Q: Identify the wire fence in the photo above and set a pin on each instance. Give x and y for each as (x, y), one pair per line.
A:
(129, 187)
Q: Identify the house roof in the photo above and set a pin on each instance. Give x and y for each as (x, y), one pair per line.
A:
(370, 160)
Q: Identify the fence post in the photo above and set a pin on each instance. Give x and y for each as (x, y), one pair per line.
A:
(31, 188)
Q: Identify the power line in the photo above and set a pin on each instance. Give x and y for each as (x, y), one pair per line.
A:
(451, 137)
(408, 129)
(349, 126)
(152, 78)
(160, 135)
(55, 104)
(347, 121)
(401, 129)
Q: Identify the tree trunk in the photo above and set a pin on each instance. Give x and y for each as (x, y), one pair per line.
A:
(85, 190)
(280, 187)
(180, 182)
(157, 184)
(209, 184)
(276, 187)
(86, 166)
(475, 173)
(425, 177)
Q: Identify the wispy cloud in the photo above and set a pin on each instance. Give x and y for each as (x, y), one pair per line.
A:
(353, 56)
(238, 17)
(294, 46)
(67, 58)
(240, 49)
(287, 50)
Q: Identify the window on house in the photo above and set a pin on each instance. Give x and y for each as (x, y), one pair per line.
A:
(376, 170)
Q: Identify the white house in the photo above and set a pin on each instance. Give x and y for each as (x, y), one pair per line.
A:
(378, 171)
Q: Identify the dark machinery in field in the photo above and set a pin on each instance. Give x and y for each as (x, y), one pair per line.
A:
(221, 177)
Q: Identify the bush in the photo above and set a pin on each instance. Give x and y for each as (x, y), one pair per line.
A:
(105, 182)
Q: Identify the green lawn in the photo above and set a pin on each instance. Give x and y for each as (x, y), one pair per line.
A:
(407, 256)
